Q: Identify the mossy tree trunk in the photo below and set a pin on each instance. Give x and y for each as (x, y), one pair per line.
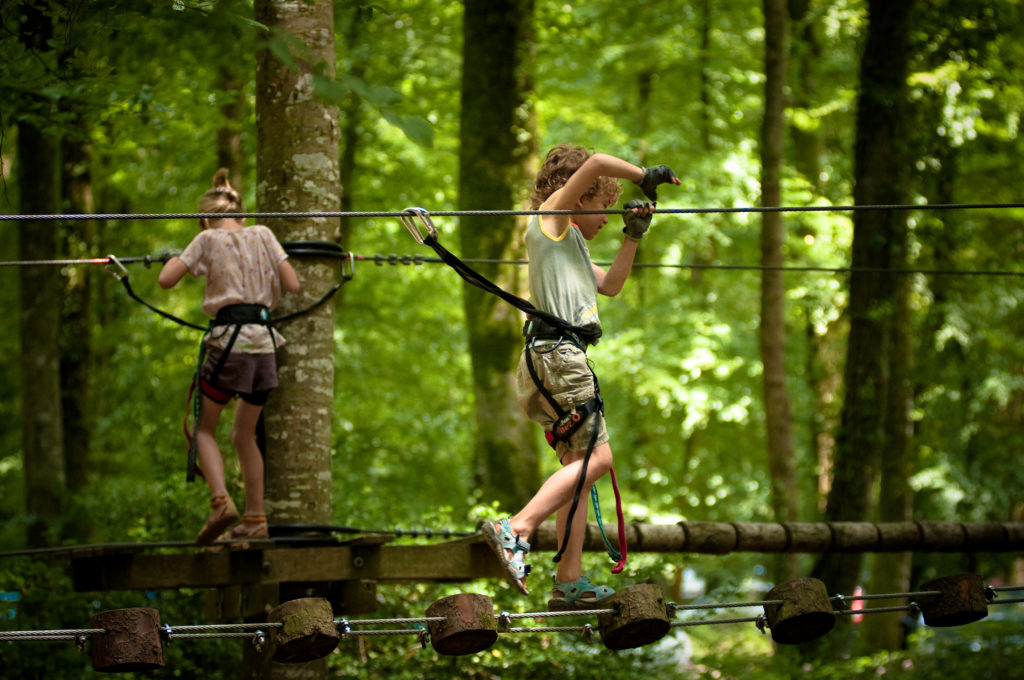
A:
(496, 144)
(778, 409)
(297, 170)
(42, 436)
(875, 367)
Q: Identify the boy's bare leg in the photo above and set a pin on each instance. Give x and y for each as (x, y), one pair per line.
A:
(556, 493)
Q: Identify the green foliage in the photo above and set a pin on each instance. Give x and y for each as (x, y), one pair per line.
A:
(680, 369)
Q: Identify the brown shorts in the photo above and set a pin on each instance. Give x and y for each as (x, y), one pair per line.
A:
(250, 376)
(562, 369)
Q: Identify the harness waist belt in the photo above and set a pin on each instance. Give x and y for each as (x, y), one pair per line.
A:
(542, 330)
(241, 313)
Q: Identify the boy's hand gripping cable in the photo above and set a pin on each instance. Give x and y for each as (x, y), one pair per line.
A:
(415, 218)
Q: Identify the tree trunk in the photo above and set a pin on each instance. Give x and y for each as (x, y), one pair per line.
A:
(879, 240)
(352, 115)
(229, 136)
(777, 409)
(76, 317)
(297, 170)
(497, 77)
(890, 573)
(805, 55)
(41, 435)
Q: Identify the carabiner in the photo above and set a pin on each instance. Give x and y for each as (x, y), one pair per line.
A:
(113, 260)
(351, 259)
(409, 222)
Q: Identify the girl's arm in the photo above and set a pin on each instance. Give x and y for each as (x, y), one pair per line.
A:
(289, 279)
(172, 272)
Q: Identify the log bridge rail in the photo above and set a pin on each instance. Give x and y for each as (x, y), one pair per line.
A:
(249, 576)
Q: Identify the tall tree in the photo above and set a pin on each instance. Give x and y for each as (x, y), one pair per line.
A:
(297, 170)
(42, 437)
(76, 310)
(804, 55)
(877, 308)
(777, 408)
(497, 78)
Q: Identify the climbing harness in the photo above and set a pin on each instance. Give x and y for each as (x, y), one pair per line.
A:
(541, 325)
(566, 424)
(236, 316)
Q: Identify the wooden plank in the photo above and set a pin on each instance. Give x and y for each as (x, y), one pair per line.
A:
(96, 568)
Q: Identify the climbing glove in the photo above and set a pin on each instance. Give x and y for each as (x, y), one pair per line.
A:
(636, 225)
(653, 176)
(168, 253)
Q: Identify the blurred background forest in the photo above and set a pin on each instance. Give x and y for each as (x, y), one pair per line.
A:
(141, 101)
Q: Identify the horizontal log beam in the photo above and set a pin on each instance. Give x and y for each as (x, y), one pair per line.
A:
(467, 559)
(718, 538)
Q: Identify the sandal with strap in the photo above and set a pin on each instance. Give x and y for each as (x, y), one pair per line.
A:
(222, 515)
(511, 551)
(251, 526)
(578, 594)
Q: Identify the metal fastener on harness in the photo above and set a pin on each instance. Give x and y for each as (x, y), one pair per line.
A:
(111, 260)
(351, 259)
(409, 221)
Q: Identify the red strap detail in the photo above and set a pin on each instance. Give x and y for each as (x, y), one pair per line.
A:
(550, 436)
(213, 393)
(622, 526)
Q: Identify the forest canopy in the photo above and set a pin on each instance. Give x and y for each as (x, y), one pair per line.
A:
(901, 353)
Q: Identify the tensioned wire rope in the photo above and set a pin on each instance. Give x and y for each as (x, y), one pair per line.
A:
(419, 259)
(407, 259)
(504, 620)
(497, 213)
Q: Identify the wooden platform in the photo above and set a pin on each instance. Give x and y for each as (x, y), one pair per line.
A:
(246, 577)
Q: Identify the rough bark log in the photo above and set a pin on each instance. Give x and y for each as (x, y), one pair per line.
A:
(639, 617)
(469, 626)
(131, 641)
(308, 631)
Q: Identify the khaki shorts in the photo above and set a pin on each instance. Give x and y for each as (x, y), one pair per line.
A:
(562, 369)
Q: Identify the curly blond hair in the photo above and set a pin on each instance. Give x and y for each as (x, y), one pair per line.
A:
(559, 165)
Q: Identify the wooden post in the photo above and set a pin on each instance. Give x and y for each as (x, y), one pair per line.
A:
(639, 617)
(805, 613)
(131, 641)
(962, 601)
(308, 631)
(468, 627)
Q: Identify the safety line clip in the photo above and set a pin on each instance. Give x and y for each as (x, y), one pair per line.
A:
(409, 221)
(120, 276)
